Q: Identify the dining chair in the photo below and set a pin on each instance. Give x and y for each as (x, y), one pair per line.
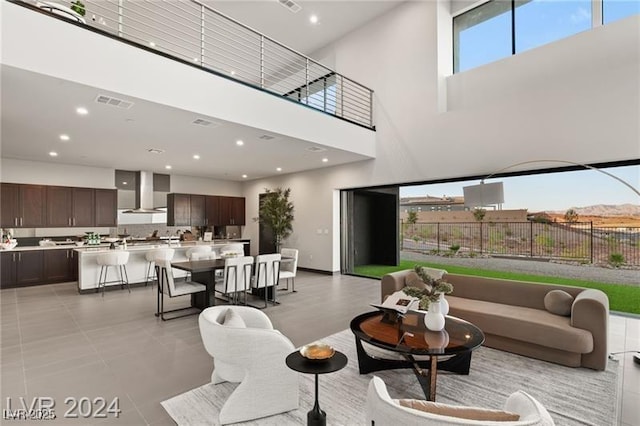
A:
(236, 278)
(267, 275)
(289, 268)
(167, 286)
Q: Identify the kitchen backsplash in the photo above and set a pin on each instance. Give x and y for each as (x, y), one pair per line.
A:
(145, 230)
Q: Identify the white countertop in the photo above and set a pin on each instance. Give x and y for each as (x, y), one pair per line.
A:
(130, 247)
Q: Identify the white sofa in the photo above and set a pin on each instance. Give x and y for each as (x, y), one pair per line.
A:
(382, 410)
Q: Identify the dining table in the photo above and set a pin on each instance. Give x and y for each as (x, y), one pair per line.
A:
(204, 272)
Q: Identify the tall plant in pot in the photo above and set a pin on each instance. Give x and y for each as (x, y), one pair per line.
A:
(276, 212)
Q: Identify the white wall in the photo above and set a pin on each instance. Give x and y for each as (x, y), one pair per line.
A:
(205, 186)
(576, 100)
(149, 76)
(39, 173)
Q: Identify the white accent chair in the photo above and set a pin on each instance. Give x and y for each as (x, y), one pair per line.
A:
(267, 275)
(167, 285)
(289, 269)
(151, 256)
(117, 258)
(247, 350)
(382, 410)
(236, 278)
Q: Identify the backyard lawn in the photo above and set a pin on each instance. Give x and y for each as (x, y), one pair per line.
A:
(622, 298)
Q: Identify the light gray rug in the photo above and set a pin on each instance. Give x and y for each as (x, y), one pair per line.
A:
(573, 396)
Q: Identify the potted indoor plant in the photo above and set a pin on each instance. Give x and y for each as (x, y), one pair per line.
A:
(78, 7)
(276, 212)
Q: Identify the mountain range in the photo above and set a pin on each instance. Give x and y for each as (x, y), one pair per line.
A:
(605, 210)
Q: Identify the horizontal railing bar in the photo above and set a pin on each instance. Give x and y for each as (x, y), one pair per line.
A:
(155, 38)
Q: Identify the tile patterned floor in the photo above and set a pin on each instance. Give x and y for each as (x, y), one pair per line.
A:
(57, 343)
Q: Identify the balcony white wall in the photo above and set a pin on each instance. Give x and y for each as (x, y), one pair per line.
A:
(73, 53)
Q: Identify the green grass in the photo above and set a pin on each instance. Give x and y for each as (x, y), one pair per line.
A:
(622, 298)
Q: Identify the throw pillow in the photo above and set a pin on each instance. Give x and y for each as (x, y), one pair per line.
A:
(467, 413)
(558, 302)
(413, 280)
(233, 319)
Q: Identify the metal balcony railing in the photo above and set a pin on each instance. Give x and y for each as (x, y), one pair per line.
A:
(194, 32)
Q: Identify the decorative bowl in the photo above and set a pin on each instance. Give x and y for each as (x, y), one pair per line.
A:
(317, 351)
(79, 243)
(111, 239)
(8, 246)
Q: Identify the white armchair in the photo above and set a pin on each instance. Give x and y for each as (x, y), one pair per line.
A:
(382, 410)
(247, 350)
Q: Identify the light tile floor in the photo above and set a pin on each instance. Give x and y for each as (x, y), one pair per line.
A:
(57, 343)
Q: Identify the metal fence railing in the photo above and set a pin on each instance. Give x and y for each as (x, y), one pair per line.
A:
(580, 241)
(194, 32)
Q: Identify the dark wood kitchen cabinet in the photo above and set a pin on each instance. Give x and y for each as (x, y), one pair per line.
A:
(106, 207)
(8, 269)
(29, 267)
(212, 210)
(231, 211)
(23, 206)
(178, 209)
(70, 206)
(198, 210)
(58, 265)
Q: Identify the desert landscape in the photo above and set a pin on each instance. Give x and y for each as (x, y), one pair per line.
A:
(618, 216)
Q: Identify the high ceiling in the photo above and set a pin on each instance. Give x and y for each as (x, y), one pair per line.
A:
(120, 138)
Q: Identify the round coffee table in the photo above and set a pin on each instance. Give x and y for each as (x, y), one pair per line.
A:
(297, 362)
(403, 343)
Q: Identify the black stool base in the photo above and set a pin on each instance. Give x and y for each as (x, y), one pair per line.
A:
(316, 417)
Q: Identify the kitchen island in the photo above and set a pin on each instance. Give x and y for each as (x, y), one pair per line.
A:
(89, 270)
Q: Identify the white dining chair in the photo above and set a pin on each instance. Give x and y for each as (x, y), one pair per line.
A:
(151, 256)
(290, 267)
(267, 275)
(167, 286)
(236, 278)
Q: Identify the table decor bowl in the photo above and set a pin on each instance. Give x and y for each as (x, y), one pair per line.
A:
(317, 351)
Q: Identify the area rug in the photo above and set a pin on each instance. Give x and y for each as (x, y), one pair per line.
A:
(573, 396)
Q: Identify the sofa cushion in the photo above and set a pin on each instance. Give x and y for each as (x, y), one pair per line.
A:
(558, 302)
(233, 319)
(467, 413)
(535, 326)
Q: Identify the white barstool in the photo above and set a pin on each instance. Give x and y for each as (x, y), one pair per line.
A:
(289, 268)
(151, 256)
(118, 258)
(203, 252)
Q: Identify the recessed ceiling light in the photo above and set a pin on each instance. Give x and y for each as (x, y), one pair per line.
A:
(64, 137)
(152, 44)
(239, 142)
(168, 167)
(53, 154)
(232, 72)
(324, 160)
(124, 183)
(82, 111)
(279, 169)
(196, 157)
(195, 60)
(244, 176)
(313, 19)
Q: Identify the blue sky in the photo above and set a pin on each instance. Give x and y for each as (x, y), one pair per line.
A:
(552, 191)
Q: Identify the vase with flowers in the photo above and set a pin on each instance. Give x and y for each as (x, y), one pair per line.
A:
(431, 298)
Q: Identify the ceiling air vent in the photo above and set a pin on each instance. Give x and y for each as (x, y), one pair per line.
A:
(266, 137)
(108, 100)
(205, 123)
(316, 149)
(291, 5)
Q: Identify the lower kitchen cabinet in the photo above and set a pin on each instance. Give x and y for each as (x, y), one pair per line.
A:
(35, 267)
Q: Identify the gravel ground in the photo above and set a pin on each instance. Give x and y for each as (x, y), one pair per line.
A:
(536, 267)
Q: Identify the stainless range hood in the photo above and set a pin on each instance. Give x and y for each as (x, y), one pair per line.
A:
(144, 189)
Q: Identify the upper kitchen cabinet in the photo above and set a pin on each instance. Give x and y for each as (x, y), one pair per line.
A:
(198, 210)
(23, 206)
(70, 206)
(178, 210)
(212, 210)
(106, 207)
(231, 211)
